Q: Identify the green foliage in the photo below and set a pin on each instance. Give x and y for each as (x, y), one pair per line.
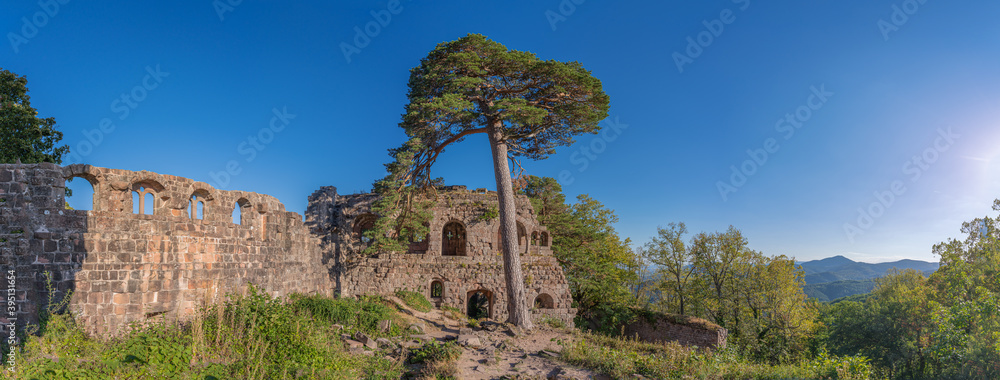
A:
(489, 214)
(246, 337)
(599, 265)
(947, 326)
(435, 351)
(415, 300)
(439, 359)
(757, 298)
(23, 135)
(622, 358)
(403, 205)
(473, 82)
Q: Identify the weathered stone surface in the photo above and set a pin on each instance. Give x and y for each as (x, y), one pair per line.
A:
(663, 330)
(384, 325)
(461, 254)
(125, 267)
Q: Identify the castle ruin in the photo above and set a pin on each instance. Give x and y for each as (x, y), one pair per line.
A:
(159, 245)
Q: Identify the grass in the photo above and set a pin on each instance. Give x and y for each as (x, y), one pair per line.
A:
(246, 337)
(453, 313)
(622, 358)
(415, 300)
(439, 360)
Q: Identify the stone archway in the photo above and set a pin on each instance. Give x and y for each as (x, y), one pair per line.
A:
(479, 304)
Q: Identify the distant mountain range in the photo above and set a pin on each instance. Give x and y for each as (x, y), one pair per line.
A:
(834, 277)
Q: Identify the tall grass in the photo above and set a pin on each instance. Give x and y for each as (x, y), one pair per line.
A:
(623, 358)
(250, 336)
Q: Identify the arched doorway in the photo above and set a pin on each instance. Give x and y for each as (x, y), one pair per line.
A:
(479, 304)
(544, 301)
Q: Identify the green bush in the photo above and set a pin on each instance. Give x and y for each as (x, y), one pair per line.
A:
(246, 337)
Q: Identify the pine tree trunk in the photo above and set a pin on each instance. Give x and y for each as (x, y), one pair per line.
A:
(517, 308)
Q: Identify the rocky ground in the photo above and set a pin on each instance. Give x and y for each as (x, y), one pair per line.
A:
(490, 351)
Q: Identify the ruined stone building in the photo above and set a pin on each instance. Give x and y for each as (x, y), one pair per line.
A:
(459, 263)
(155, 244)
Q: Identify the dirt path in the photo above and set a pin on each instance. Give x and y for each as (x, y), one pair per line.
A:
(498, 351)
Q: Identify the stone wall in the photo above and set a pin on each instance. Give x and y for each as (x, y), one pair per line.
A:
(662, 328)
(123, 266)
(477, 266)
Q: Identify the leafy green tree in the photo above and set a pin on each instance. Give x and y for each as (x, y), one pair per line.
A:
(967, 290)
(674, 262)
(525, 106)
(599, 266)
(758, 298)
(892, 327)
(23, 135)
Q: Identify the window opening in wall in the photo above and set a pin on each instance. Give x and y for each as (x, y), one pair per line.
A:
(437, 289)
(148, 203)
(79, 194)
(453, 239)
(196, 207)
(237, 214)
(363, 223)
(136, 202)
(544, 301)
(479, 304)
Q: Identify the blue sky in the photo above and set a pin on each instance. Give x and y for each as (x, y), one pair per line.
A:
(873, 97)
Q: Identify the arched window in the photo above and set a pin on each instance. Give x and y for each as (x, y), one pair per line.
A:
(363, 223)
(82, 193)
(453, 239)
(143, 199)
(534, 237)
(522, 238)
(419, 243)
(544, 301)
(196, 206)
(545, 239)
(437, 289)
(241, 212)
